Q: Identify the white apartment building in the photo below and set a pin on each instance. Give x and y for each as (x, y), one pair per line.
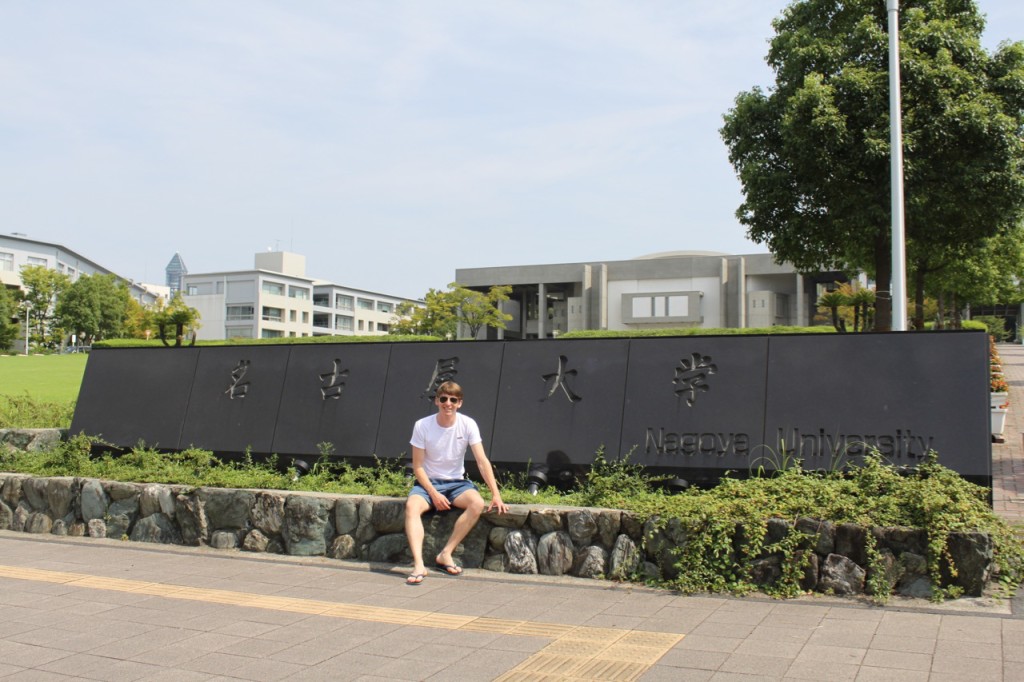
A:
(276, 299)
(341, 311)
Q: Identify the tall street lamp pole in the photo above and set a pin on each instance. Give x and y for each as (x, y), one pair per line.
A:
(899, 257)
(28, 324)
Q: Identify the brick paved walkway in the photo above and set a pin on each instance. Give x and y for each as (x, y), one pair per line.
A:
(1008, 456)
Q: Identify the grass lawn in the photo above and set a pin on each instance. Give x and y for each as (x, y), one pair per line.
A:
(50, 378)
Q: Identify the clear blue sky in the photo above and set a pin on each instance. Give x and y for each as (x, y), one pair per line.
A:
(389, 142)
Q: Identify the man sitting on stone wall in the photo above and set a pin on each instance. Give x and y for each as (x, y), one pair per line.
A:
(439, 444)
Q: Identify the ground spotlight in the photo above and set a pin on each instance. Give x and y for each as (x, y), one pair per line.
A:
(674, 486)
(536, 479)
(301, 468)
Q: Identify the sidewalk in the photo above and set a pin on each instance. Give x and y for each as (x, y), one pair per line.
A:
(108, 610)
(1008, 457)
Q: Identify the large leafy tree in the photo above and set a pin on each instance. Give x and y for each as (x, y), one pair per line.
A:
(94, 307)
(991, 274)
(41, 289)
(813, 154)
(444, 310)
(8, 314)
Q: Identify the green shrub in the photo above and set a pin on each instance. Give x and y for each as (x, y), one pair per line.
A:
(25, 412)
(996, 327)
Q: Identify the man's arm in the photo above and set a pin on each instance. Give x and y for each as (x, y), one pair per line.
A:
(487, 472)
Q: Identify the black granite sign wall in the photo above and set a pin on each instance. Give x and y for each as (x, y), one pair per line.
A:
(695, 405)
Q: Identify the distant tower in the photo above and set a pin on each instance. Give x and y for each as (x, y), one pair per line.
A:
(176, 271)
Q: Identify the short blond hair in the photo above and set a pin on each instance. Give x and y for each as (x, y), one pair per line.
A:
(450, 388)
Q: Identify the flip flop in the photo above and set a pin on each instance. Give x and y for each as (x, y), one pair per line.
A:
(450, 569)
(415, 578)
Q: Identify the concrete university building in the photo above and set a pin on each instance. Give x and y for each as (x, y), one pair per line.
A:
(18, 251)
(276, 299)
(663, 290)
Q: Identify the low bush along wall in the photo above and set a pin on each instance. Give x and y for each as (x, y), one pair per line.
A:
(589, 543)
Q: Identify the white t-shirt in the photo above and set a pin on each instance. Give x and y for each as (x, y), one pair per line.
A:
(445, 447)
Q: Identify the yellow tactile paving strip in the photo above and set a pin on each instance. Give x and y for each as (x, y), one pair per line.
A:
(575, 653)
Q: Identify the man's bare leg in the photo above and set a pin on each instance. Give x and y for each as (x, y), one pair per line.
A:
(415, 508)
(473, 506)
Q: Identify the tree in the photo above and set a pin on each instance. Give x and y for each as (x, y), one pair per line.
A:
(176, 317)
(94, 307)
(443, 311)
(833, 300)
(988, 275)
(139, 321)
(41, 288)
(477, 310)
(8, 315)
(813, 155)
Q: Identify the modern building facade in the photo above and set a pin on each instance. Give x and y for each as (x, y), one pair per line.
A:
(18, 251)
(276, 299)
(665, 290)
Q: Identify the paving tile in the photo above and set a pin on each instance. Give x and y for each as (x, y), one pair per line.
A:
(763, 647)
(710, 643)
(899, 660)
(663, 674)
(833, 654)
(969, 668)
(694, 658)
(822, 670)
(868, 674)
(27, 655)
(755, 665)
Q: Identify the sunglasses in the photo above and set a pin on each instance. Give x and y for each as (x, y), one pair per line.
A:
(448, 398)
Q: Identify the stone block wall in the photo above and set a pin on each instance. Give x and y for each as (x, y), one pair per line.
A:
(589, 543)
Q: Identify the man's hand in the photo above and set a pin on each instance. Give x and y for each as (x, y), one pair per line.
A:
(497, 502)
(441, 502)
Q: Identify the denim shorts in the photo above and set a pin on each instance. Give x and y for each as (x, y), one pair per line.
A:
(447, 488)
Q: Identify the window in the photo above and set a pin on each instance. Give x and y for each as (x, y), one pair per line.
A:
(239, 312)
(272, 334)
(273, 314)
(322, 300)
(383, 327)
(299, 293)
(343, 302)
(193, 290)
(305, 317)
(672, 306)
(273, 288)
(6, 261)
(293, 316)
(33, 260)
(321, 320)
(343, 323)
(383, 307)
(369, 326)
(364, 304)
(360, 325)
(238, 332)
